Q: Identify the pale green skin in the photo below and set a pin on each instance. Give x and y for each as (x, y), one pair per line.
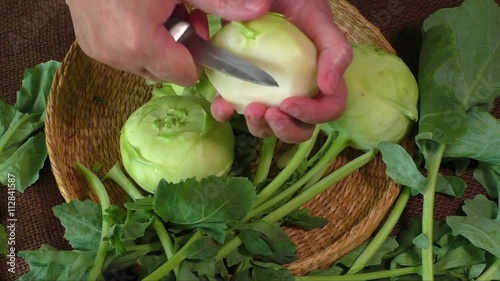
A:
(382, 99)
(279, 48)
(175, 138)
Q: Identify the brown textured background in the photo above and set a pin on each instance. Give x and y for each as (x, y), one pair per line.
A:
(39, 30)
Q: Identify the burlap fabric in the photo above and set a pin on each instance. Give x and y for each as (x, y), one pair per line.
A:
(36, 31)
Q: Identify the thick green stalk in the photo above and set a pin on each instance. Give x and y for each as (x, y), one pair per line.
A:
(428, 212)
(304, 197)
(383, 233)
(118, 176)
(302, 154)
(364, 276)
(265, 160)
(309, 194)
(151, 247)
(337, 147)
(173, 262)
(105, 203)
(490, 272)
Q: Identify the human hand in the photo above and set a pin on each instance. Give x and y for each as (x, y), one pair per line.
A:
(130, 36)
(293, 121)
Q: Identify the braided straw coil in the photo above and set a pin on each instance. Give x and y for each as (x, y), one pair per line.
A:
(89, 102)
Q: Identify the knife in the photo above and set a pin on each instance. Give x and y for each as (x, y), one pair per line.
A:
(211, 56)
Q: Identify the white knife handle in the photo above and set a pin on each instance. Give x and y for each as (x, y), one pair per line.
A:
(178, 28)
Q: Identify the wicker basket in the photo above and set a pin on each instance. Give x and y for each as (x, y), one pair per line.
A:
(81, 127)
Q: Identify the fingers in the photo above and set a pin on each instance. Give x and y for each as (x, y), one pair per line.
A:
(233, 9)
(286, 128)
(256, 121)
(221, 110)
(315, 19)
(323, 108)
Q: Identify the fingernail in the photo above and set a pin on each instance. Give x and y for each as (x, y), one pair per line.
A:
(277, 123)
(292, 109)
(253, 5)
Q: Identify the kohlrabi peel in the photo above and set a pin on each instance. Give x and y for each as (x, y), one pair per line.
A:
(381, 102)
(174, 138)
(278, 47)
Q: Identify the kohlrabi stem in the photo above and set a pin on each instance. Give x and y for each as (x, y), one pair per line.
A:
(151, 247)
(322, 150)
(265, 160)
(364, 276)
(332, 152)
(304, 197)
(118, 176)
(174, 261)
(105, 203)
(428, 212)
(322, 185)
(383, 233)
(301, 155)
(490, 272)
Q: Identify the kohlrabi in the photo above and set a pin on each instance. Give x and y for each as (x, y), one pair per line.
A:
(381, 101)
(175, 137)
(275, 45)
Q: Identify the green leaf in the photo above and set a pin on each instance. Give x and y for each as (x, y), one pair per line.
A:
(481, 141)
(282, 248)
(421, 241)
(478, 227)
(489, 177)
(4, 247)
(303, 220)
(401, 168)
(48, 263)
(270, 271)
(456, 252)
(126, 226)
(22, 142)
(480, 206)
(254, 243)
(389, 245)
(37, 81)
(459, 61)
(82, 222)
(331, 271)
(450, 185)
(203, 249)
(210, 200)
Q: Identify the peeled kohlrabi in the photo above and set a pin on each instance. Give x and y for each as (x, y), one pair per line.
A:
(174, 138)
(381, 102)
(279, 48)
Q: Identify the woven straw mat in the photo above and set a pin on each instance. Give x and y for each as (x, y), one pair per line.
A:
(80, 128)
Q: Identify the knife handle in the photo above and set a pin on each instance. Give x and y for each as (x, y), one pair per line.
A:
(178, 28)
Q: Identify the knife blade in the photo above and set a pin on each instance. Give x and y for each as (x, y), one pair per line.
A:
(211, 56)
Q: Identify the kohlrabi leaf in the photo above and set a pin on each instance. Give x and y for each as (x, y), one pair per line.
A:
(389, 245)
(22, 142)
(48, 263)
(271, 271)
(455, 252)
(203, 249)
(481, 141)
(37, 81)
(4, 247)
(209, 200)
(481, 228)
(82, 222)
(401, 168)
(489, 177)
(450, 185)
(302, 219)
(459, 61)
(25, 162)
(269, 241)
(126, 225)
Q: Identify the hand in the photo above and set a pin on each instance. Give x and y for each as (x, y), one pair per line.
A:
(129, 35)
(293, 121)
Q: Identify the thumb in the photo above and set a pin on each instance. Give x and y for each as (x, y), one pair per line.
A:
(234, 10)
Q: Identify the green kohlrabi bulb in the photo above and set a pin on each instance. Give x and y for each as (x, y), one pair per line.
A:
(382, 97)
(175, 137)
